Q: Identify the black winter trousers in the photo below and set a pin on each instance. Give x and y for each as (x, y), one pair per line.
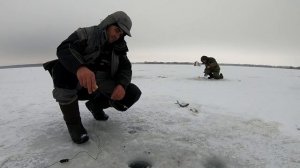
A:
(65, 81)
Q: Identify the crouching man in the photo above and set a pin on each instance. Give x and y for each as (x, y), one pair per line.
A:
(92, 65)
(212, 68)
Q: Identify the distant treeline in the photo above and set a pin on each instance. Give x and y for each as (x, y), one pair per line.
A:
(155, 62)
(264, 66)
(20, 66)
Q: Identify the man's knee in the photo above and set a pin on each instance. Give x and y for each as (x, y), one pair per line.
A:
(64, 96)
(133, 94)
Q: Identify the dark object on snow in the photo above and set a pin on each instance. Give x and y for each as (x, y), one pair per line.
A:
(214, 162)
(194, 110)
(64, 160)
(182, 104)
(140, 164)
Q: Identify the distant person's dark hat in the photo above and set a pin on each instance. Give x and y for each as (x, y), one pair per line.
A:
(203, 58)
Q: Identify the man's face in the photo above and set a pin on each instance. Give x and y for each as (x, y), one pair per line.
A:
(114, 33)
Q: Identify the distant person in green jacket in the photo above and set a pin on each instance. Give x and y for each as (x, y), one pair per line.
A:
(212, 68)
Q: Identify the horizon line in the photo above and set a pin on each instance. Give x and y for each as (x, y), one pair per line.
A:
(162, 62)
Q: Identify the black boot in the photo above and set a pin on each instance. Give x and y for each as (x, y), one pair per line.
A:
(96, 110)
(73, 121)
(221, 76)
(211, 76)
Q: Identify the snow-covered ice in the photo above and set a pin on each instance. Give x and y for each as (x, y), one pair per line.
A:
(249, 119)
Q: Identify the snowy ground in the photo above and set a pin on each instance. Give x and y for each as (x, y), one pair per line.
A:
(248, 120)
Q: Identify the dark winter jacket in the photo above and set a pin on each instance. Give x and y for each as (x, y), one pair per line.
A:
(88, 47)
(212, 63)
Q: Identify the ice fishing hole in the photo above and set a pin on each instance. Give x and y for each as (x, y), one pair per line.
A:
(214, 162)
(139, 164)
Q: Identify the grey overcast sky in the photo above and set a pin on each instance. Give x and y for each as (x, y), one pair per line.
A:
(233, 31)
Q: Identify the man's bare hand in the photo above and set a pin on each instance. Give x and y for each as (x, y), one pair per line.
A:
(87, 79)
(118, 93)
